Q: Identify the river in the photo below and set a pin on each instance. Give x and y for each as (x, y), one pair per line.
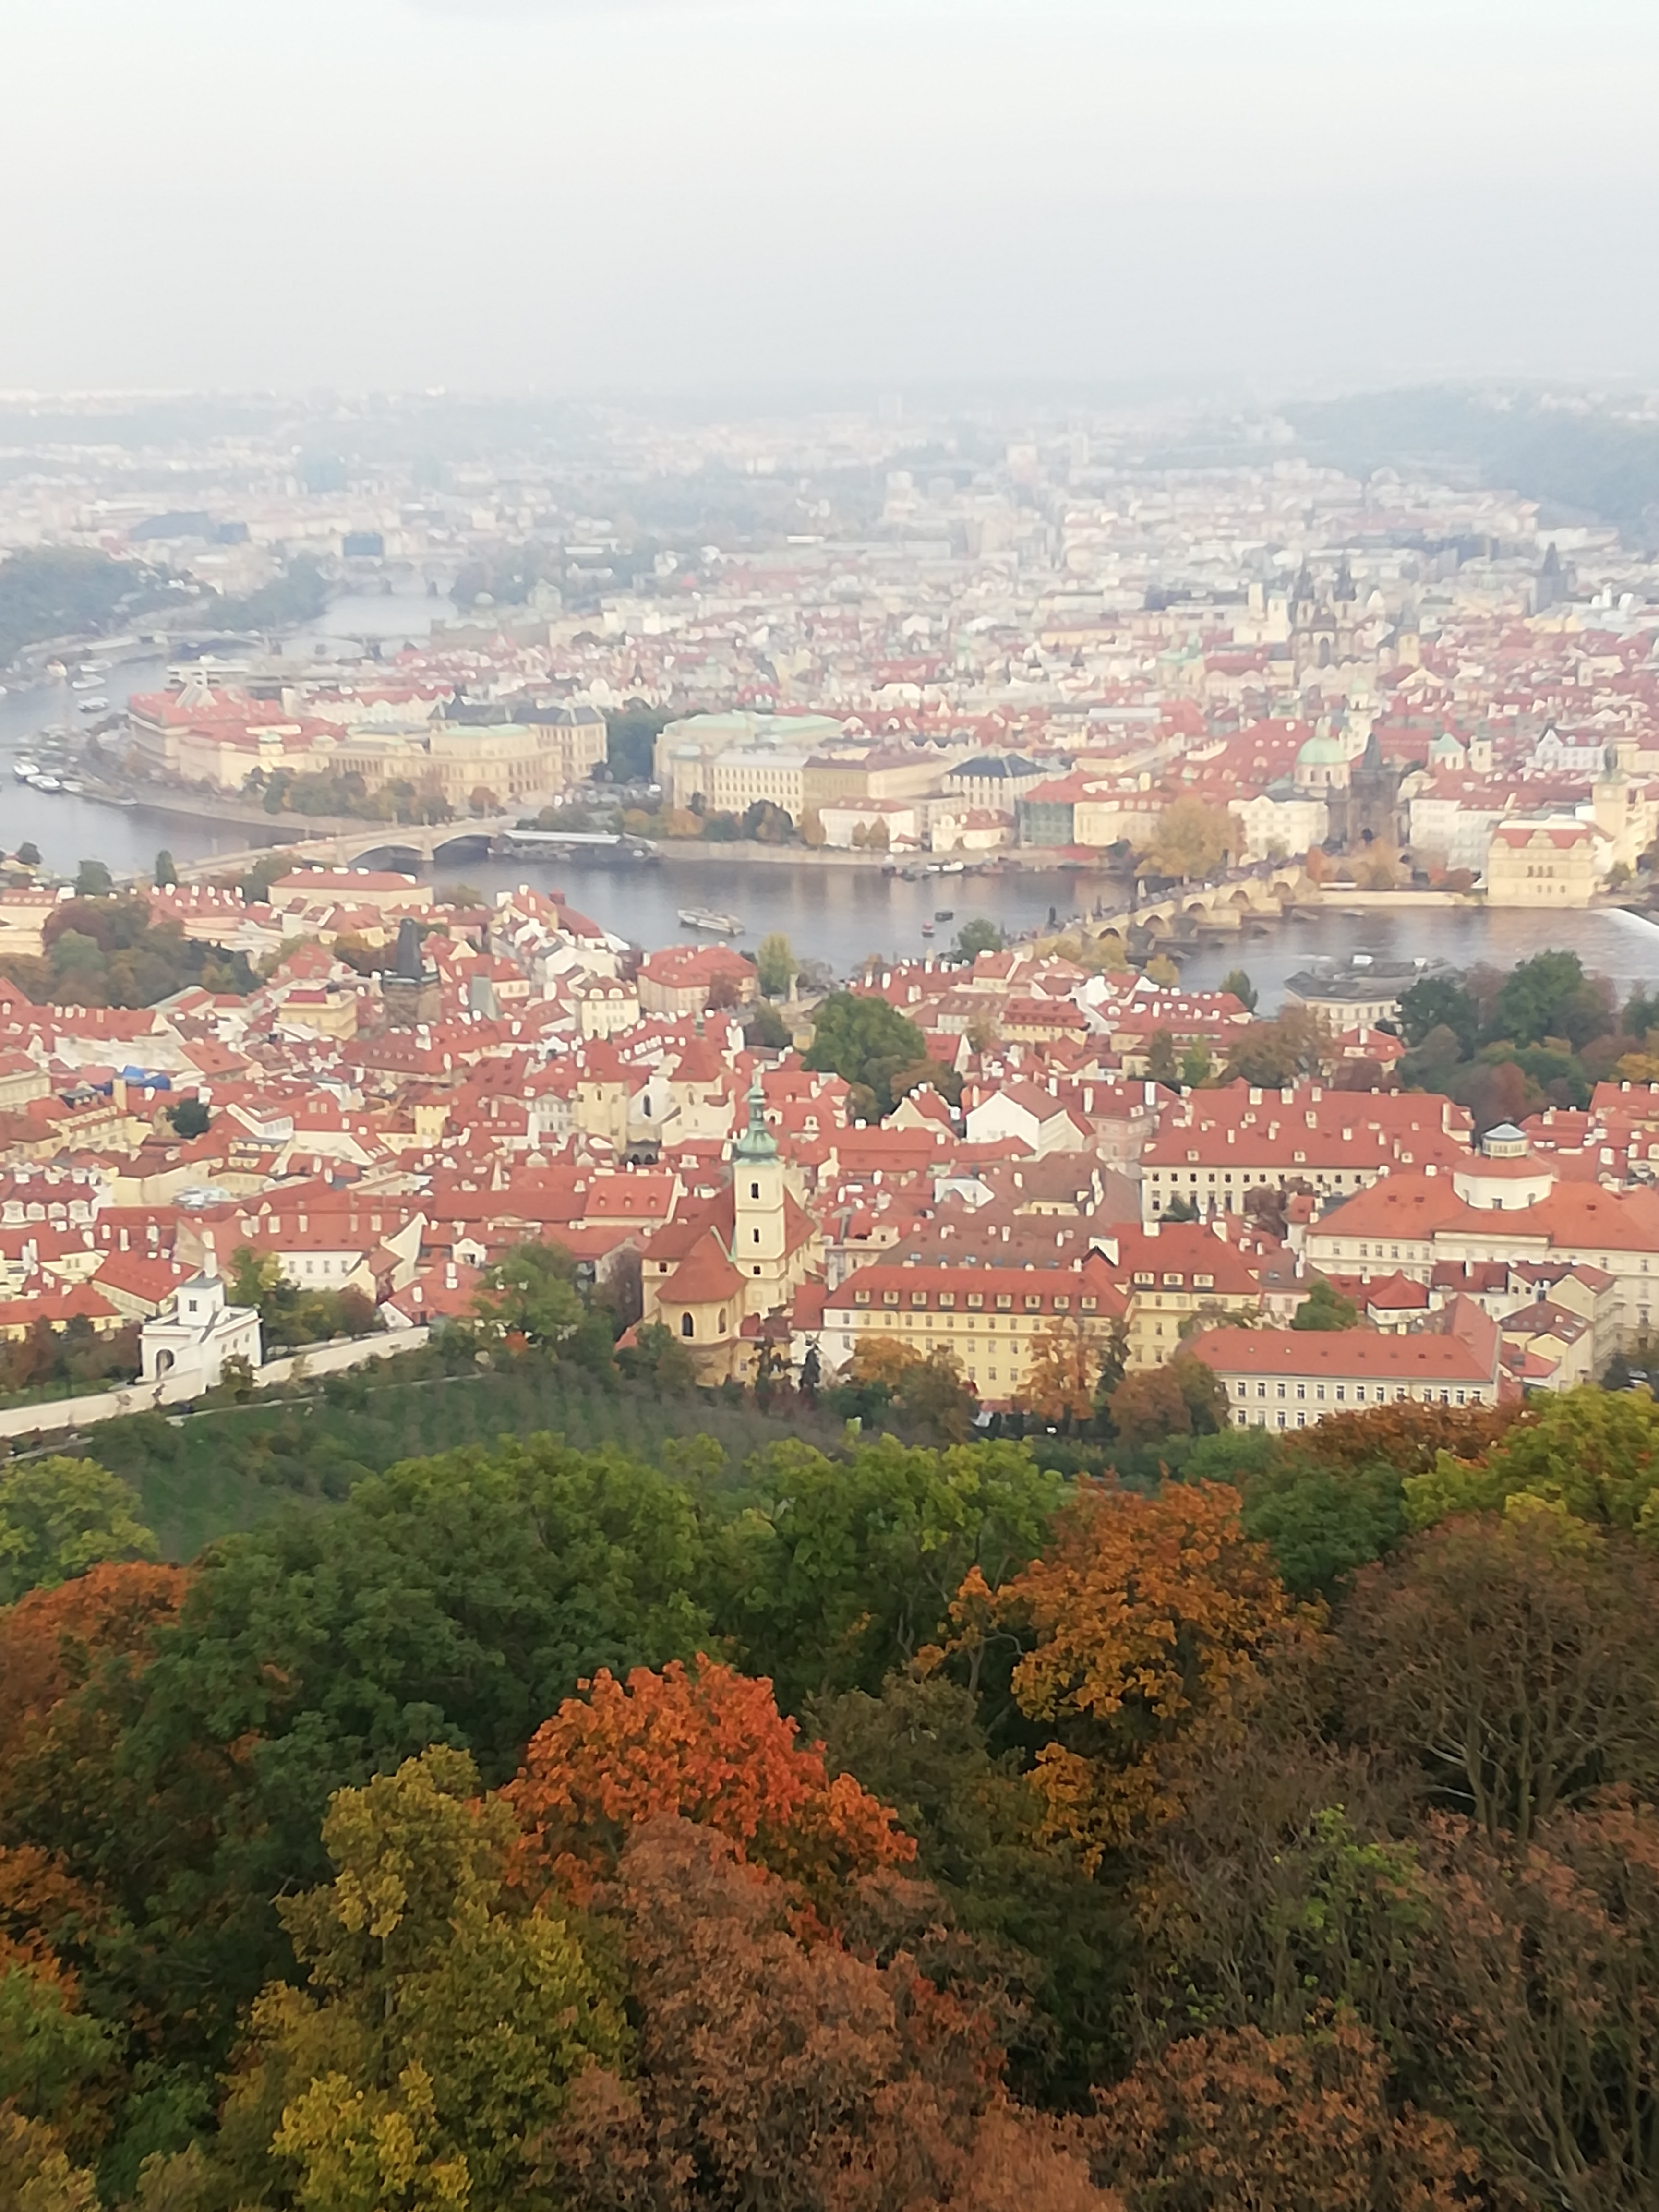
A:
(840, 915)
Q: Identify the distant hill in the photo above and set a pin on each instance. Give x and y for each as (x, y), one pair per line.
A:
(1590, 467)
(70, 591)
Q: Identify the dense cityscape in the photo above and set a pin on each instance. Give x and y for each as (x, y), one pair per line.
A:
(829, 1107)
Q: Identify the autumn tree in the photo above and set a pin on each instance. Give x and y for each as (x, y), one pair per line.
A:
(926, 1390)
(1061, 1365)
(59, 1516)
(703, 1743)
(1515, 1660)
(1146, 1615)
(1535, 1971)
(440, 2025)
(1192, 838)
(1297, 2122)
(1151, 1404)
(771, 2071)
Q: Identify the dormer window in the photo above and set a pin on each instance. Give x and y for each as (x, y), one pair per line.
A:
(975, 1299)
(860, 1298)
(1062, 1305)
(1003, 1301)
(890, 1298)
(918, 1297)
(1144, 1279)
(947, 1297)
(1033, 1301)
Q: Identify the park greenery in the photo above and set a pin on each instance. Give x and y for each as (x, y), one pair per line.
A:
(50, 592)
(299, 595)
(107, 952)
(1505, 1043)
(855, 1823)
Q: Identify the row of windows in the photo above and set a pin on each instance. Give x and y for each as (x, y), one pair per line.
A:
(1379, 1394)
(975, 1299)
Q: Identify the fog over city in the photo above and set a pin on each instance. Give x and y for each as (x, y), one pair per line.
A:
(573, 195)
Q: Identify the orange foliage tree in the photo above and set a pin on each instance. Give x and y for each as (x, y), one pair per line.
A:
(709, 1745)
(1146, 1615)
(53, 1640)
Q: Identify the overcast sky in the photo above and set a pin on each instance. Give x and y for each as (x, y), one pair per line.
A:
(572, 194)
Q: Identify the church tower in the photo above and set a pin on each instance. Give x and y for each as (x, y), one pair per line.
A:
(760, 1244)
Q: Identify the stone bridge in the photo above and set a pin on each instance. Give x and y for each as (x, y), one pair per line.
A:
(1265, 892)
(406, 845)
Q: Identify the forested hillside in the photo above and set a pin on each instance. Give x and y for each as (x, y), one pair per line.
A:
(888, 1827)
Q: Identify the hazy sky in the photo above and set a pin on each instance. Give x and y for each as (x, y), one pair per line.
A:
(576, 193)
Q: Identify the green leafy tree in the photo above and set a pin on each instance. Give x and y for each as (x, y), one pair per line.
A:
(1325, 1308)
(656, 1356)
(1594, 1453)
(764, 1027)
(630, 739)
(1533, 996)
(190, 1118)
(1436, 1002)
(858, 1036)
(978, 936)
(1161, 1058)
(846, 1567)
(59, 1516)
(921, 1745)
(1322, 1523)
(532, 1293)
(92, 880)
(165, 873)
(1238, 982)
(1196, 1065)
(775, 960)
(28, 853)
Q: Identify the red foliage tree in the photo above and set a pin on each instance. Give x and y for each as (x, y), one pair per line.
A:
(706, 1743)
(1300, 2122)
(793, 2075)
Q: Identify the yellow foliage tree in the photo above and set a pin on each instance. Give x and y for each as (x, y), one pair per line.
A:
(1192, 838)
(1062, 1364)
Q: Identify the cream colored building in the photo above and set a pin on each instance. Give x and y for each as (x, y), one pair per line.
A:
(686, 752)
(1551, 863)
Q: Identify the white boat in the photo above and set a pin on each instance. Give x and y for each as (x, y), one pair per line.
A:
(94, 706)
(715, 925)
(84, 684)
(24, 769)
(45, 783)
